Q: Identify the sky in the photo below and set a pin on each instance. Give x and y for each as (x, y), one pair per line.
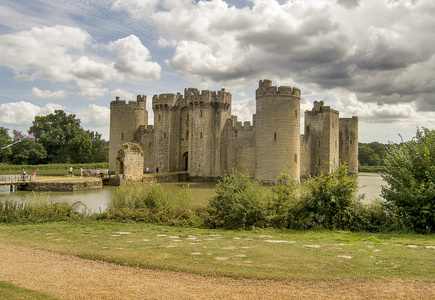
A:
(374, 59)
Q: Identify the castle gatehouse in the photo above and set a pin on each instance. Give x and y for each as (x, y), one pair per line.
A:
(196, 133)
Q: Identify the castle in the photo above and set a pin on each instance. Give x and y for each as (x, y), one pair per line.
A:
(197, 133)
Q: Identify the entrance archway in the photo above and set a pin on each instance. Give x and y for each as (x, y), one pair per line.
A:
(185, 161)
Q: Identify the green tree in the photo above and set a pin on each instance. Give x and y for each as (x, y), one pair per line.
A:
(5, 140)
(410, 174)
(100, 148)
(28, 151)
(62, 137)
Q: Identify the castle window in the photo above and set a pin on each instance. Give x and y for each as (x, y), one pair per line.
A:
(164, 135)
(319, 161)
(335, 144)
(296, 113)
(187, 134)
(122, 136)
(201, 113)
(274, 136)
(200, 135)
(319, 143)
(350, 142)
(296, 158)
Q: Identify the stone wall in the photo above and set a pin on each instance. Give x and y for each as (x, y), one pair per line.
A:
(130, 161)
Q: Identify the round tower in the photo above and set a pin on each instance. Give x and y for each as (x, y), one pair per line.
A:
(277, 134)
(125, 119)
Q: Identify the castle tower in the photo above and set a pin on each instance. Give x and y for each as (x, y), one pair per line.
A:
(165, 132)
(208, 112)
(125, 119)
(322, 130)
(349, 143)
(277, 136)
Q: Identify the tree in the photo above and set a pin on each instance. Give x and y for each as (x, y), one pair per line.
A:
(62, 137)
(5, 140)
(28, 151)
(410, 174)
(100, 148)
(371, 154)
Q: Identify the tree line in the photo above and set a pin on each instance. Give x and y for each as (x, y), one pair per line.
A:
(58, 138)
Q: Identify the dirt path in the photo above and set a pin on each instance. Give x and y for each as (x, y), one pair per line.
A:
(69, 277)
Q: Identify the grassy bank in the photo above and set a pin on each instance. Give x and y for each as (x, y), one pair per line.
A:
(262, 254)
(12, 292)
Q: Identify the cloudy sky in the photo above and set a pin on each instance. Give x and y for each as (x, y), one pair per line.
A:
(370, 58)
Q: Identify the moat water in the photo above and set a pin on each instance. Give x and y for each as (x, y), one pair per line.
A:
(97, 201)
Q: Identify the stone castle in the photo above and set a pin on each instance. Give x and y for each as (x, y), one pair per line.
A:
(196, 133)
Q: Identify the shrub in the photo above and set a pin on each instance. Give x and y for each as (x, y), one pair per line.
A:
(239, 203)
(326, 199)
(410, 174)
(282, 199)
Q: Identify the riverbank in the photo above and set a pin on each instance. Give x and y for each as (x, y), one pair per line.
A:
(61, 184)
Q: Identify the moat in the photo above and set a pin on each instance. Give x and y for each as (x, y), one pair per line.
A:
(96, 201)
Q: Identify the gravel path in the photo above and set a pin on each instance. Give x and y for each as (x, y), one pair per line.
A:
(69, 277)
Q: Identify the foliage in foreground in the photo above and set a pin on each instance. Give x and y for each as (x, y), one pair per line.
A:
(39, 209)
(327, 201)
(410, 174)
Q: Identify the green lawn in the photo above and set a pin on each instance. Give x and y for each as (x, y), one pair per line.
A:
(11, 292)
(262, 254)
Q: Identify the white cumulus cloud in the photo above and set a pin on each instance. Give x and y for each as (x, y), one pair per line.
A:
(134, 59)
(47, 94)
(23, 113)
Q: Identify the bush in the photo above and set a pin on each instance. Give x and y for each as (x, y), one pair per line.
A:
(410, 174)
(282, 199)
(239, 204)
(326, 199)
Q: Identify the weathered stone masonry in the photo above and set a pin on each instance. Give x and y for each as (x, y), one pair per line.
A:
(195, 132)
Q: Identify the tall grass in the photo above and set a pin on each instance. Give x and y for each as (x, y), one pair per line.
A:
(39, 208)
(149, 203)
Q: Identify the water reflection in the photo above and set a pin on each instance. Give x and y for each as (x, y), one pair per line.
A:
(370, 185)
(97, 201)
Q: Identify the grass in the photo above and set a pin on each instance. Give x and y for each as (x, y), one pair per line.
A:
(11, 292)
(260, 254)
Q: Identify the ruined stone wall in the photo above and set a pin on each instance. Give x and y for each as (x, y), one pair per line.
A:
(349, 143)
(277, 131)
(130, 161)
(125, 119)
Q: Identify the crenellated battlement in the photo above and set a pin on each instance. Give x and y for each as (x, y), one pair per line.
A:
(319, 107)
(267, 89)
(169, 100)
(140, 103)
(236, 125)
(193, 96)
